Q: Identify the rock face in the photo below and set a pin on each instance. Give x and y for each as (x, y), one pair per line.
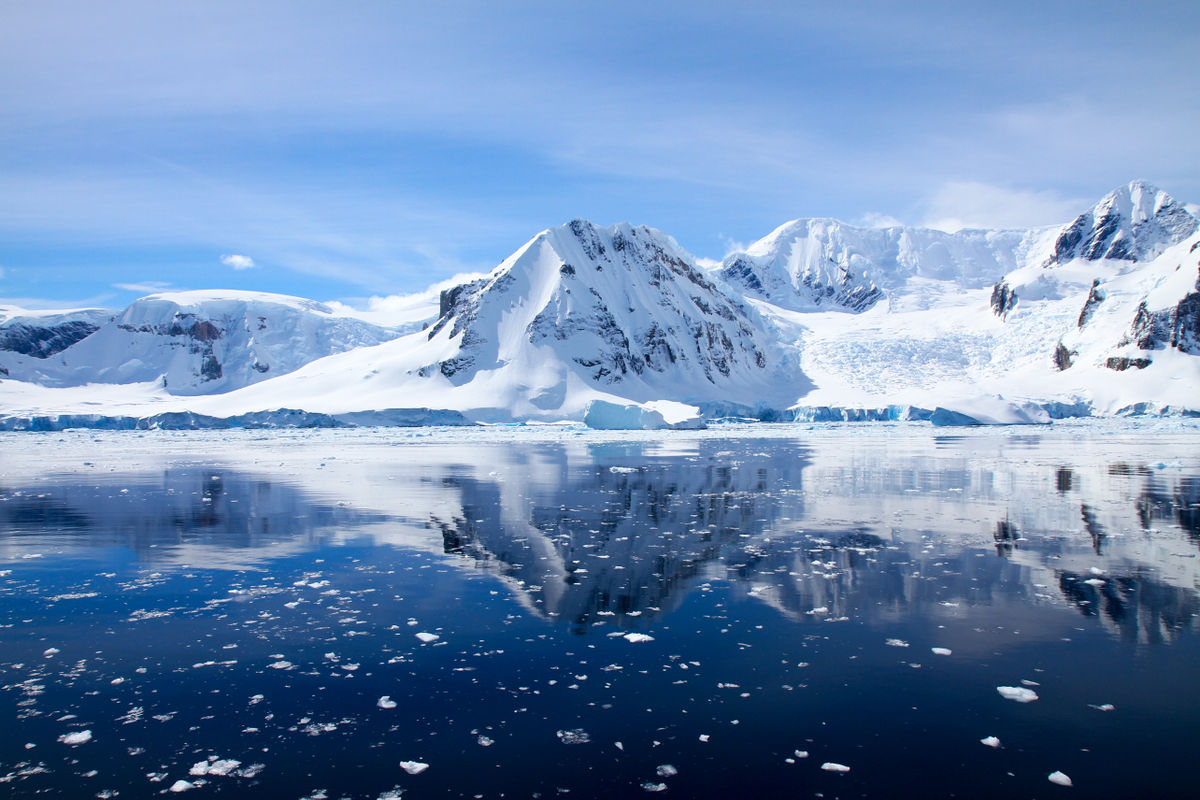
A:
(201, 342)
(45, 339)
(623, 307)
(1133, 223)
(1177, 326)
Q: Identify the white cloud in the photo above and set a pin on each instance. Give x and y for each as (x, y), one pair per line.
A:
(145, 287)
(874, 220)
(238, 262)
(967, 204)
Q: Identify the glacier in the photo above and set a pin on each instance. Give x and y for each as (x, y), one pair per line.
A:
(818, 321)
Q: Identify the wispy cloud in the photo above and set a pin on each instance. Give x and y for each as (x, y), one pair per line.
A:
(238, 262)
(146, 287)
(965, 204)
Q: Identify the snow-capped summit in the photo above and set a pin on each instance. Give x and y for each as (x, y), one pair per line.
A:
(1135, 222)
(201, 342)
(829, 265)
(622, 308)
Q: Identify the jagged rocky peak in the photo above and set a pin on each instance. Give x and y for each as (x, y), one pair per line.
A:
(619, 304)
(1132, 223)
(43, 334)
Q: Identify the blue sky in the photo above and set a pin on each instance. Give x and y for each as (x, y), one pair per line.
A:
(356, 149)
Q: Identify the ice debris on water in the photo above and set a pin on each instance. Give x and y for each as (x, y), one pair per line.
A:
(1018, 693)
(650, 786)
(181, 786)
(1103, 707)
(941, 651)
(990, 741)
(704, 737)
(76, 737)
(1060, 778)
(485, 741)
(214, 766)
(428, 637)
(574, 736)
(666, 770)
(801, 753)
(413, 767)
(386, 702)
(896, 643)
(831, 766)
(638, 637)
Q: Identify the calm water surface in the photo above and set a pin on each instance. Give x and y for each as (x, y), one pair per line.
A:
(503, 615)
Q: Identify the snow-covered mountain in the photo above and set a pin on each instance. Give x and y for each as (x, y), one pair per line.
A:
(818, 320)
(190, 342)
(827, 265)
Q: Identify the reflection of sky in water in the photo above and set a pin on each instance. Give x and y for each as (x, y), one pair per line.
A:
(770, 574)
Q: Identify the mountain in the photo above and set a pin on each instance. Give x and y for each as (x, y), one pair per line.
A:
(190, 342)
(819, 320)
(827, 265)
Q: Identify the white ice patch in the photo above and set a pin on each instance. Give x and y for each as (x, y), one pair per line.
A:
(181, 786)
(413, 767)
(575, 736)
(654, 787)
(427, 637)
(831, 766)
(1104, 707)
(638, 637)
(896, 643)
(666, 770)
(220, 767)
(76, 737)
(386, 702)
(1060, 778)
(990, 741)
(941, 651)
(1018, 693)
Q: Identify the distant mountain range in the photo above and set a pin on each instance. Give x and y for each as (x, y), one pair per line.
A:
(818, 320)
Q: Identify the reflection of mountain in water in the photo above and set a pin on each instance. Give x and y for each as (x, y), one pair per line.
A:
(612, 538)
(203, 514)
(628, 533)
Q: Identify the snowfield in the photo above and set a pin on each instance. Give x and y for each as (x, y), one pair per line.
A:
(619, 326)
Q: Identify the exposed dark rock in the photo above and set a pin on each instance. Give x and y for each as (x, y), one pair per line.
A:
(210, 368)
(1177, 327)
(44, 341)
(1122, 363)
(1095, 297)
(1004, 299)
(1062, 357)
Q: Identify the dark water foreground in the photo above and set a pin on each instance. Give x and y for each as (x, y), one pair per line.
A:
(465, 615)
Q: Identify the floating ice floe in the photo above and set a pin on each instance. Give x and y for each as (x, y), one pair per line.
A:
(574, 736)
(413, 767)
(801, 753)
(666, 770)
(650, 786)
(831, 766)
(990, 741)
(76, 737)
(1060, 778)
(386, 702)
(427, 637)
(181, 786)
(486, 741)
(1018, 693)
(638, 637)
(1103, 707)
(896, 643)
(704, 737)
(941, 651)
(214, 766)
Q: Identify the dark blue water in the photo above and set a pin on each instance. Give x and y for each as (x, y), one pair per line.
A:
(211, 610)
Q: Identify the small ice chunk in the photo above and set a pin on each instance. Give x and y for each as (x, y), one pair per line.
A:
(620, 746)
(413, 767)
(181, 786)
(654, 787)
(801, 753)
(220, 767)
(486, 741)
(1060, 778)
(386, 702)
(704, 737)
(76, 737)
(1105, 707)
(574, 736)
(831, 766)
(1097, 582)
(51, 651)
(1018, 693)
(638, 637)
(990, 741)
(280, 665)
(428, 637)
(941, 651)
(896, 643)
(1096, 571)
(666, 770)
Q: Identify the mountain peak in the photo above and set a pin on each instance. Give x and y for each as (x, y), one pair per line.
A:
(1133, 222)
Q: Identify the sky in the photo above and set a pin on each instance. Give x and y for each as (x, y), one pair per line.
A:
(354, 150)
